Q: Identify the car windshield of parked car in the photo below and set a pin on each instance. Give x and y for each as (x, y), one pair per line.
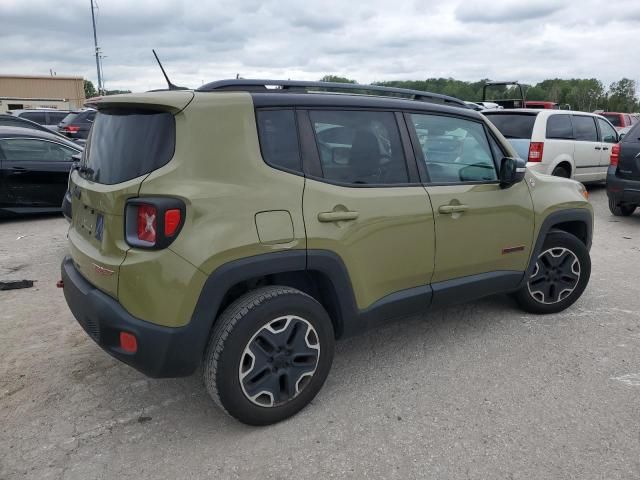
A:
(513, 125)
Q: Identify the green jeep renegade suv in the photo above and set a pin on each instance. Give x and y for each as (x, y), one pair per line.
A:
(244, 228)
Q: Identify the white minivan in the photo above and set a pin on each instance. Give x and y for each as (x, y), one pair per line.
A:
(559, 142)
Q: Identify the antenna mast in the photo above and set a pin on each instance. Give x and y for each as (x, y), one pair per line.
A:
(95, 42)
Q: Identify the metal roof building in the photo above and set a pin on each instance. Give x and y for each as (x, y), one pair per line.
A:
(28, 91)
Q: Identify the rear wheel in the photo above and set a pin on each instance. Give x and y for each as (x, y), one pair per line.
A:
(621, 210)
(561, 172)
(269, 355)
(559, 277)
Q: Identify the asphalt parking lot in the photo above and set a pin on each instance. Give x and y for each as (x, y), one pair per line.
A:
(476, 391)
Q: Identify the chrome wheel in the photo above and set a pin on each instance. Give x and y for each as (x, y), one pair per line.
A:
(279, 361)
(555, 275)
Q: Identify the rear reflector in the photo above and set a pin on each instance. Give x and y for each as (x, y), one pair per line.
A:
(147, 223)
(615, 155)
(128, 342)
(70, 129)
(535, 151)
(171, 221)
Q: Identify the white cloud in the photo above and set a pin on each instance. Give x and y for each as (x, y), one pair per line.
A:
(374, 40)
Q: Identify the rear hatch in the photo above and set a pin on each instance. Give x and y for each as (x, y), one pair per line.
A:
(516, 127)
(132, 136)
(629, 157)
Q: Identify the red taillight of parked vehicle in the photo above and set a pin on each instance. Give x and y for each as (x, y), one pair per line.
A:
(128, 342)
(147, 223)
(615, 155)
(171, 221)
(535, 151)
(70, 129)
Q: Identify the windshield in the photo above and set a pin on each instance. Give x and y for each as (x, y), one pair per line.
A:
(126, 144)
(513, 125)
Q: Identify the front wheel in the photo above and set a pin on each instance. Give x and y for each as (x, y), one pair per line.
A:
(269, 354)
(559, 277)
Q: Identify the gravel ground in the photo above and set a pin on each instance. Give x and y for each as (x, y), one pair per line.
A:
(478, 391)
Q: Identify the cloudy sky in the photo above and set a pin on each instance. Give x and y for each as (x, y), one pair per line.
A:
(372, 40)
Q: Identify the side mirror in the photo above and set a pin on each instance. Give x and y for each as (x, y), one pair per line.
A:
(512, 171)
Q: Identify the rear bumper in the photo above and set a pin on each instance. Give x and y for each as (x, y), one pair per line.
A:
(621, 190)
(162, 351)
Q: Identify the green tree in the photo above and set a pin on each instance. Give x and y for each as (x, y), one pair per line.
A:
(336, 79)
(89, 89)
(622, 96)
(116, 92)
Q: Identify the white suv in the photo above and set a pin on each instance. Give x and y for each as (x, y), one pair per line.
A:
(559, 142)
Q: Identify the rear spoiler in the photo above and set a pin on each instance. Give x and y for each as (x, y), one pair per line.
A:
(173, 101)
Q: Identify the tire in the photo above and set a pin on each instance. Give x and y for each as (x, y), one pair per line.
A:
(269, 354)
(561, 274)
(561, 172)
(620, 210)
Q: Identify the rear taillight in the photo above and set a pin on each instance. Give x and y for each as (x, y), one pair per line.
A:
(153, 222)
(147, 223)
(128, 342)
(615, 155)
(171, 221)
(535, 151)
(70, 129)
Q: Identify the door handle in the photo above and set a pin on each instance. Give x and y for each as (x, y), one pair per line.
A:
(337, 216)
(598, 148)
(18, 170)
(452, 208)
(605, 148)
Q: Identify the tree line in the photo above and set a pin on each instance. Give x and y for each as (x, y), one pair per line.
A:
(585, 94)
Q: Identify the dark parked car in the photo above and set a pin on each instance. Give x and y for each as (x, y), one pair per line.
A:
(76, 125)
(34, 170)
(8, 120)
(623, 177)
(48, 118)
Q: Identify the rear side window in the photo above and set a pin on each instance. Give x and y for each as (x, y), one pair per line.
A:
(584, 128)
(126, 144)
(56, 117)
(559, 126)
(614, 118)
(358, 147)
(38, 117)
(279, 139)
(513, 125)
(34, 150)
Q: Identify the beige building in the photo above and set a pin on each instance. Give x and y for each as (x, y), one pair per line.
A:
(27, 91)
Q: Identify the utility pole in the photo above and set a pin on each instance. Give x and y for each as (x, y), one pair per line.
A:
(95, 42)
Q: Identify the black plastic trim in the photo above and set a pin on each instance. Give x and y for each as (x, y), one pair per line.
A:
(473, 287)
(570, 215)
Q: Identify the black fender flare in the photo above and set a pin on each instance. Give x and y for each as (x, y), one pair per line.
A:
(582, 215)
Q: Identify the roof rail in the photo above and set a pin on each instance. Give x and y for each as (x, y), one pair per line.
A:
(295, 86)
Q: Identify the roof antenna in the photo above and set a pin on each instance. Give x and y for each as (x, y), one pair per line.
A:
(169, 84)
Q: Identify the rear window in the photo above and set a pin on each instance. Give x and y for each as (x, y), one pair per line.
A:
(559, 126)
(614, 119)
(126, 144)
(513, 125)
(56, 117)
(68, 119)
